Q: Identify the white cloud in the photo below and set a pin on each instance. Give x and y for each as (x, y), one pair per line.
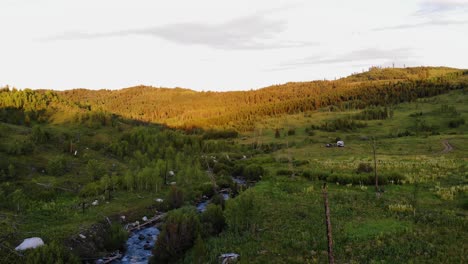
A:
(220, 45)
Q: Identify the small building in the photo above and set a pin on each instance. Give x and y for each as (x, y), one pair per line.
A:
(340, 143)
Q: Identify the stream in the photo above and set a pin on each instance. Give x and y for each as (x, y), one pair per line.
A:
(141, 243)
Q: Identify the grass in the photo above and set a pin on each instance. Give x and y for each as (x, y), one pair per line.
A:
(424, 220)
(408, 223)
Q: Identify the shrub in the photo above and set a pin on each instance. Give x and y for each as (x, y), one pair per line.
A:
(242, 213)
(57, 166)
(284, 172)
(253, 172)
(20, 147)
(277, 133)
(315, 174)
(52, 253)
(212, 219)
(364, 168)
(291, 132)
(207, 189)
(454, 123)
(175, 197)
(178, 234)
(38, 135)
(115, 237)
(218, 199)
(212, 134)
(300, 162)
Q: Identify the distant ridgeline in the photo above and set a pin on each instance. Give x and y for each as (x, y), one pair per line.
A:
(239, 110)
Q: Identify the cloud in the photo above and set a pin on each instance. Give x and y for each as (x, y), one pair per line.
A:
(430, 23)
(248, 32)
(353, 56)
(439, 6)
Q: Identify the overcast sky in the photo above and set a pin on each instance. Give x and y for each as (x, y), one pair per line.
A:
(221, 45)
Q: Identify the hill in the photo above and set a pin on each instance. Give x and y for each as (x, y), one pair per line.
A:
(73, 163)
(240, 110)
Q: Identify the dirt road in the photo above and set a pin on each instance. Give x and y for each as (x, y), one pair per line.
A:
(447, 146)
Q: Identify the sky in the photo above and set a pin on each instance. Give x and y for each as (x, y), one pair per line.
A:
(221, 45)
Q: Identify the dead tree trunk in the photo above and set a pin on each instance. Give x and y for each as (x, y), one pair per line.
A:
(375, 167)
(331, 259)
(165, 174)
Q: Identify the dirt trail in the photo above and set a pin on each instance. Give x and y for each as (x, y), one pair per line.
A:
(447, 147)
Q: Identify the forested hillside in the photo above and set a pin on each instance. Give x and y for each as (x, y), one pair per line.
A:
(239, 110)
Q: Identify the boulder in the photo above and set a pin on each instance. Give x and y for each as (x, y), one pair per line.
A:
(229, 258)
(159, 200)
(147, 247)
(144, 218)
(96, 202)
(29, 243)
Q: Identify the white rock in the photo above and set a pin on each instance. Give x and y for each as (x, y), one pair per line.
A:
(122, 217)
(145, 218)
(28, 243)
(171, 173)
(96, 202)
(82, 236)
(228, 257)
(244, 157)
(159, 200)
(173, 183)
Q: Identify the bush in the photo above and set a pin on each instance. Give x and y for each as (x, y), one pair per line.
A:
(315, 175)
(115, 238)
(212, 134)
(20, 147)
(454, 123)
(175, 197)
(284, 172)
(57, 166)
(365, 179)
(207, 189)
(53, 253)
(291, 132)
(364, 168)
(300, 162)
(212, 219)
(178, 234)
(253, 172)
(242, 213)
(38, 135)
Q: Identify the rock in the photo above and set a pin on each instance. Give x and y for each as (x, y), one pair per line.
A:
(244, 157)
(147, 247)
(159, 200)
(173, 183)
(229, 258)
(171, 173)
(96, 202)
(29, 243)
(122, 217)
(141, 237)
(82, 236)
(145, 218)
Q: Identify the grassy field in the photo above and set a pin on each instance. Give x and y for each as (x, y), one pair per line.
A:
(423, 219)
(419, 217)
